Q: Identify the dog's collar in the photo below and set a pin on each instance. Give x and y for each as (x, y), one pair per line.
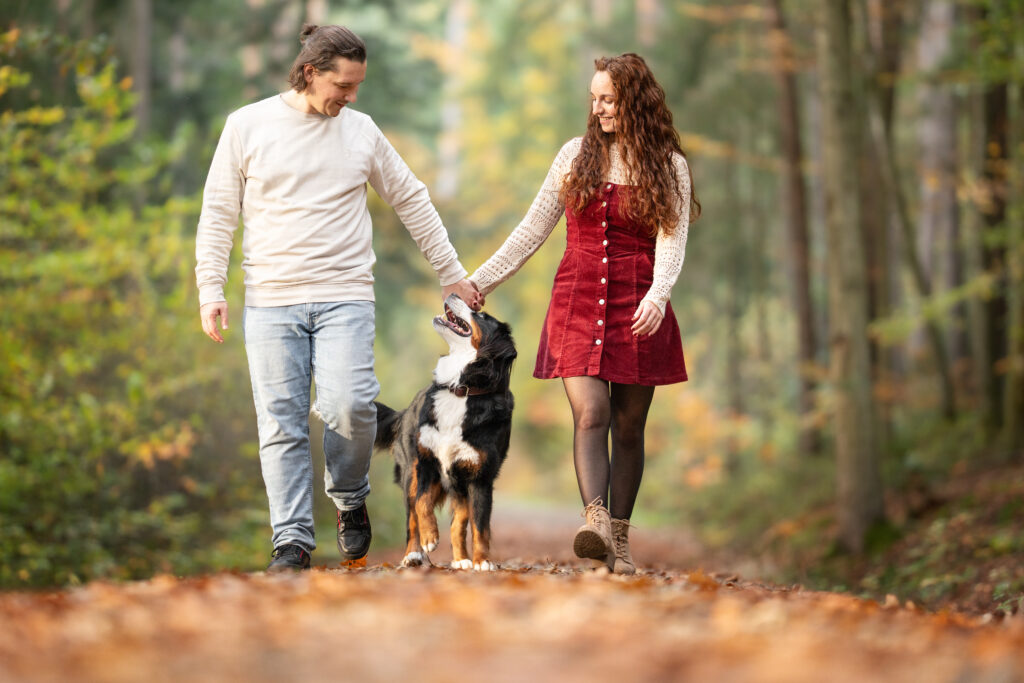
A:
(462, 391)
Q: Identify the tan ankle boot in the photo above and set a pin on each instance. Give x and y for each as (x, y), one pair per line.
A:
(623, 563)
(594, 539)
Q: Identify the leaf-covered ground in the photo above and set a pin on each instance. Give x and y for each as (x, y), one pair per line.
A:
(542, 617)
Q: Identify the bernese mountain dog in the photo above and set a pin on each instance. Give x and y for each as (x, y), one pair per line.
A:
(451, 441)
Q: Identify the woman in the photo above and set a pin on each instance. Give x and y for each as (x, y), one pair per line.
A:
(610, 333)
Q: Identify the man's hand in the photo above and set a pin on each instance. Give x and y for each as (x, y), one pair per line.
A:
(209, 313)
(647, 319)
(467, 291)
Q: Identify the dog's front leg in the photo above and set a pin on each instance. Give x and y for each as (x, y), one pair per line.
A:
(480, 498)
(426, 502)
(460, 517)
(414, 557)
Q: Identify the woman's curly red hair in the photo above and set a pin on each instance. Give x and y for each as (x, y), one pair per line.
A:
(647, 141)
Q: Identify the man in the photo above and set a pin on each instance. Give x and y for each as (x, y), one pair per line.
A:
(296, 167)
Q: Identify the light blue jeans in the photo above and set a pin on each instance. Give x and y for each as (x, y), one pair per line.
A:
(330, 344)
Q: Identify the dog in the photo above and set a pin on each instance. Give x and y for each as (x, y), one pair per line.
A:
(451, 441)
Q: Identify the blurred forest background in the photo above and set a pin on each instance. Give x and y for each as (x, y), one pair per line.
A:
(852, 301)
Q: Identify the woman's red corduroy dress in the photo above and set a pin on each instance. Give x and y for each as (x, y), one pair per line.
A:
(607, 269)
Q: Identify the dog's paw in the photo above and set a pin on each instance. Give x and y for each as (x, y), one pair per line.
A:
(413, 560)
(484, 566)
(462, 564)
(428, 536)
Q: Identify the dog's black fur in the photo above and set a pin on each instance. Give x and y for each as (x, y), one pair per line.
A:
(451, 441)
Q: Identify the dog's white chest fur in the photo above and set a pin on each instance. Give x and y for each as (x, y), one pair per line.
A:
(445, 440)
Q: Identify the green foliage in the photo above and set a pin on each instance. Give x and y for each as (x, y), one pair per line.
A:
(109, 464)
(995, 32)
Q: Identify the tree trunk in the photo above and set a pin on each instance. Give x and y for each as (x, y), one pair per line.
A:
(937, 232)
(316, 11)
(142, 58)
(890, 192)
(447, 186)
(973, 159)
(881, 41)
(1013, 394)
(886, 39)
(284, 41)
(253, 65)
(648, 18)
(874, 235)
(798, 233)
(886, 34)
(737, 270)
(977, 308)
(994, 175)
(601, 12)
(859, 503)
(87, 15)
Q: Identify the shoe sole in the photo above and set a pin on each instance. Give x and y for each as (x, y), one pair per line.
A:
(352, 557)
(589, 545)
(284, 569)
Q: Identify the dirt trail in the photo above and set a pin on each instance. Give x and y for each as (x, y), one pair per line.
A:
(532, 533)
(543, 617)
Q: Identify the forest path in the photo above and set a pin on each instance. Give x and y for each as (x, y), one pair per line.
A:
(544, 616)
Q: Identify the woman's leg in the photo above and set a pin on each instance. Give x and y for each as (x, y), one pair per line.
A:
(591, 415)
(629, 406)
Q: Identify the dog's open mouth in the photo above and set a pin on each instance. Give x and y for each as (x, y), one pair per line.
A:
(454, 322)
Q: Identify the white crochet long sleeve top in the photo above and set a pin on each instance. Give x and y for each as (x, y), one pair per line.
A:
(547, 209)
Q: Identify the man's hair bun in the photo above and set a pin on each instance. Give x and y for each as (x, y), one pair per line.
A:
(307, 31)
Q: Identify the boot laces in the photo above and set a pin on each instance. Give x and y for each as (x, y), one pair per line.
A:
(621, 545)
(621, 540)
(592, 507)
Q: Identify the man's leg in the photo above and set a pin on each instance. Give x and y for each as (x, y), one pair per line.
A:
(345, 389)
(277, 342)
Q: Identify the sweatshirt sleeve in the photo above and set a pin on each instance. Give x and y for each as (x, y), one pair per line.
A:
(535, 228)
(218, 220)
(670, 249)
(399, 187)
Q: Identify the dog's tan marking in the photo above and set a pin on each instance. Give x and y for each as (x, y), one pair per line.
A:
(413, 543)
(470, 467)
(481, 545)
(477, 335)
(425, 505)
(460, 516)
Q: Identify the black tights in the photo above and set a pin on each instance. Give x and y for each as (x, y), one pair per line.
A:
(598, 408)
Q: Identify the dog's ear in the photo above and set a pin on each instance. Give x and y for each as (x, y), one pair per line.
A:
(504, 356)
(500, 343)
(493, 364)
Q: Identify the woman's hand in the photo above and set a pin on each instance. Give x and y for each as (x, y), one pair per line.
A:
(647, 319)
(467, 291)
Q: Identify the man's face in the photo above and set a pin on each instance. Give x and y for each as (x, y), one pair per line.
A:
(329, 91)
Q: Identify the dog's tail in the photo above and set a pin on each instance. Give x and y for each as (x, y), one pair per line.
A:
(388, 420)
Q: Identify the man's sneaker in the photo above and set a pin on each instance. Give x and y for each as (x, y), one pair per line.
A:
(354, 533)
(289, 557)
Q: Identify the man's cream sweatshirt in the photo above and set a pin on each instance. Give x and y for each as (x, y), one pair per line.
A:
(299, 182)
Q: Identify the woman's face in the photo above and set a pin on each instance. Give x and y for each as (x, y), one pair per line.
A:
(602, 101)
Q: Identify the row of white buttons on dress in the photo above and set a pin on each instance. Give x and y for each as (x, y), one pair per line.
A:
(600, 302)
